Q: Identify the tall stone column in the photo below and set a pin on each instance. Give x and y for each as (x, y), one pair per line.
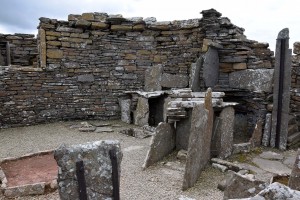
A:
(281, 91)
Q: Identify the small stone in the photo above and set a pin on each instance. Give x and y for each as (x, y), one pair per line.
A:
(87, 129)
(103, 129)
(222, 168)
(181, 155)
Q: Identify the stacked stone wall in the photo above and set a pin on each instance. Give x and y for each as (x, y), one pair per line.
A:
(23, 49)
(295, 86)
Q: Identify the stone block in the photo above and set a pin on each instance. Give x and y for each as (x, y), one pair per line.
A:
(88, 16)
(267, 130)
(125, 105)
(296, 49)
(260, 80)
(54, 53)
(83, 23)
(99, 25)
(211, 67)
(224, 133)
(161, 145)
(239, 66)
(141, 116)
(198, 146)
(174, 80)
(86, 78)
(153, 78)
(97, 169)
(294, 181)
(121, 27)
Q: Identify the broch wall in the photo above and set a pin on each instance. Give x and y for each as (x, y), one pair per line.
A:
(86, 63)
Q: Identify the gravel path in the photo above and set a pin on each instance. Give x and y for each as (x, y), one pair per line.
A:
(162, 181)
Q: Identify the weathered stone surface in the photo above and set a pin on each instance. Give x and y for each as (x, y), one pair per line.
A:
(224, 137)
(240, 186)
(121, 27)
(162, 144)
(296, 49)
(239, 66)
(88, 16)
(198, 146)
(54, 53)
(211, 67)
(86, 78)
(241, 148)
(276, 191)
(269, 155)
(42, 48)
(174, 81)
(259, 80)
(99, 25)
(195, 79)
(256, 137)
(272, 166)
(104, 129)
(97, 169)
(141, 116)
(25, 190)
(267, 130)
(82, 23)
(279, 129)
(183, 131)
(153, 78)
(137, 133)
(125, 104)
(294, 181)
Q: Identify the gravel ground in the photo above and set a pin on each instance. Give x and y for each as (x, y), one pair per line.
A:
(162, 181)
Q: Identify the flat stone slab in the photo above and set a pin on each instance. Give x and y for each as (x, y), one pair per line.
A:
(103, 129)
(294, 181)
(272, 166)
(269, 155)
(289, 160)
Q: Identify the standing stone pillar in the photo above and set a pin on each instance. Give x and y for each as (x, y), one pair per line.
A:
(294, 181)
(125, 104)
(42, 47)
(281, 91)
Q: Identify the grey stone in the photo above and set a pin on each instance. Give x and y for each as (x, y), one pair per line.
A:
(104, 129)
(229, 165)
(141, 117)
(153, 78)
(183, 131)
(87, 129)
(224, 133)
(269, 155)
(225, 182)
(25, 190)
(125, 105)
(294, 181)
(162, 144)
(211, 67)
(97, 169)
(86, 78)
(256, 137)
(195, 79)
(199, 141)
(241, 148)
(283, 34)
(241, 186)
(182, 155)
(267, 130)
(2, 60)
(222, 168)
(135, 132)
(259, 80)
(279, 133)
(174, 80)
(276, 191)
(272, 166)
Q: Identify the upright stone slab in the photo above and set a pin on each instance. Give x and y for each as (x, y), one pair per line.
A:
(141, 115)
(161, 145)
(125, 104)
(183, 131)
(281, 91)
(97, 169)
(211, 67)
(197, 149)
(294, 181)
(267, 130)
(195, 79)
(224, 137)
(153, 78)
(256, 137)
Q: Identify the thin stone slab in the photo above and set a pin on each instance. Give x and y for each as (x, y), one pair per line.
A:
(279, 133)
(256, 137)
(211, 67)
(259, 80)
(183, 128)
(294, 181)
(153, 78)
(198, 147)
(195, 79)
(141, 116)
(125, 105)
(97, 169)
(161, 145)
(272, 166)
(174, 80)
(267, 130)
(270, 155)
(224, 137)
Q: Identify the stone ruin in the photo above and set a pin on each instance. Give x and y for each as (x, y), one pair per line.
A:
(204, 88)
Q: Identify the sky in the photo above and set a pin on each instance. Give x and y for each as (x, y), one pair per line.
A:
(262, 19)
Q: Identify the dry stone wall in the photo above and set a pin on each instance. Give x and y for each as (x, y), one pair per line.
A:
(87, 62)
(23, 49)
